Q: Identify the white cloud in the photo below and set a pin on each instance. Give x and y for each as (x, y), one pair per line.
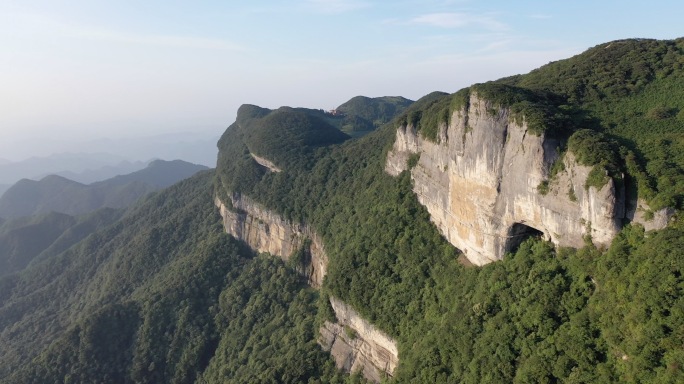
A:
(459, 20)
(336, 6)
(158, 40)
(36, 24)
(539, 16)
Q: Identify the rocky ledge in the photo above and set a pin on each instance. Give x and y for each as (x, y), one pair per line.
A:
(354, 343)
(480, 182)
(358, 346)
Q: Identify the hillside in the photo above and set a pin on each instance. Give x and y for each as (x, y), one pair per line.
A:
(55, 193)
(168, 297)
(361, 260)
(39, 237)
(387, 259)
(632, 91)
(361, 115)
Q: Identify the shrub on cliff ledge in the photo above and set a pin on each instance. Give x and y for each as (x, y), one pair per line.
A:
(593, 149)
(542, 111)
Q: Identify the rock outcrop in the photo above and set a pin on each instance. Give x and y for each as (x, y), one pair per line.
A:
(644, 215)
(266, 231)
(480, 181)
(369, 350)
(266, 163)
(358, 346)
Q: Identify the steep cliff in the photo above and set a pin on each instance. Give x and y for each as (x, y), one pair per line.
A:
(480, 182)
(357, 345)
(368, 350)
(265, 231)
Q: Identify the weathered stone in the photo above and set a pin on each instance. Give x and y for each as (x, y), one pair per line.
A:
(266, 231)
(370, 351)
(480, 185)
(657, 220)
(266, 163)
(365, 348)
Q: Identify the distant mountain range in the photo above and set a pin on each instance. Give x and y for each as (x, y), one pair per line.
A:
(89, 161)
(90, 176)
(197, 147)
(38, 237)
(59, 194)
(81, 167)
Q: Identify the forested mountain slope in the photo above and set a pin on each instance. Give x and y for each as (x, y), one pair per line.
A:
(164, 295)
(391, 264)
(161, 296)
(38, 237)
(58, 194)
(632, 91)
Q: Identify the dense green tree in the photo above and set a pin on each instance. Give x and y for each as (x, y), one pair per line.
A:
(162, 294)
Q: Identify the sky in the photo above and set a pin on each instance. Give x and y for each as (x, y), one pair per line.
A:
(71, 70)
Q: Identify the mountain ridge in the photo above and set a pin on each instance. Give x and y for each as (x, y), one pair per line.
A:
(57, 193)
(165, 295)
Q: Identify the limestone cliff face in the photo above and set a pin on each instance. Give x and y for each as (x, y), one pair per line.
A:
(358, 346)
(370, 351)
(266, 231)
(479, 183)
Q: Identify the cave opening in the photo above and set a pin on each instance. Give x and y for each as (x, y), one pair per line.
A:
(518, 233)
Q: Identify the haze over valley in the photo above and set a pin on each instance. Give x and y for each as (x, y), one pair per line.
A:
(341, 191)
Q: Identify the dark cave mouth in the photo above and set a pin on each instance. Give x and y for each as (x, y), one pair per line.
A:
(518, 233)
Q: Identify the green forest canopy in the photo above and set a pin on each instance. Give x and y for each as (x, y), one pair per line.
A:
(164, 295)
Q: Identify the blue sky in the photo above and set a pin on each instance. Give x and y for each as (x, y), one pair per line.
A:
(108, 68)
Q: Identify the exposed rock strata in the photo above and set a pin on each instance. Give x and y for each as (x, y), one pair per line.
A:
(266, 231)
(658, 220)
(357, 345)
(479, 183)
(371, 351)
(266, 163)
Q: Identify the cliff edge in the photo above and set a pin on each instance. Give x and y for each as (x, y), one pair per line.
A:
(480, 180)
(354, 343)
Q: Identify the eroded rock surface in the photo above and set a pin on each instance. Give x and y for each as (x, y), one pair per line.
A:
(357, 345)
(370, 350)
(266, 231)
(655, 220)
(268, 164)
(480, 185)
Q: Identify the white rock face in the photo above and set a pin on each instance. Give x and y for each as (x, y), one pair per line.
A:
(371, 351)
(480, 181)
(265, 231)
(659, 219)
(364, 349)
(266, 163)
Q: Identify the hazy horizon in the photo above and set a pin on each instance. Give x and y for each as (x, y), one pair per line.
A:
(79, 71)
(129, 146)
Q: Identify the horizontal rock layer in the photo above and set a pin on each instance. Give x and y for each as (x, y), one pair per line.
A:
(266, 231)
(370, 351)
(358, 346)
(480, 185)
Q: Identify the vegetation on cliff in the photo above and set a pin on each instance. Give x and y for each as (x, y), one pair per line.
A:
(163, 295)
(633, 91)
(539, 315)
(364, 114)
(627, 93)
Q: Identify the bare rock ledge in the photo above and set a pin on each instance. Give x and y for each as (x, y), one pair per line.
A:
(479, 184)
(365, 348)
